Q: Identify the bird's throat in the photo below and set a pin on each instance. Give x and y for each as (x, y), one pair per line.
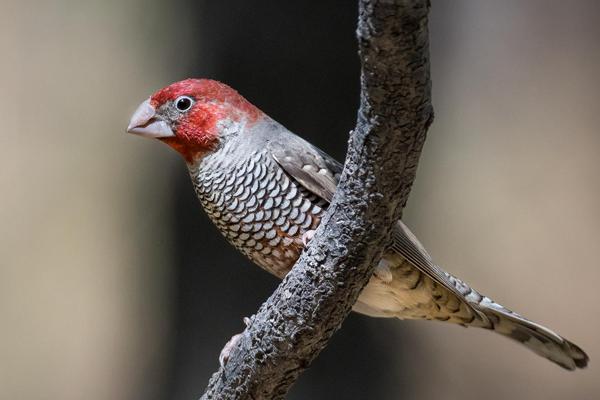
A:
(191, 152)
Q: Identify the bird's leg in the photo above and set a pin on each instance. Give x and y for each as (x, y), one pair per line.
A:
(224, 356)
(307, 236)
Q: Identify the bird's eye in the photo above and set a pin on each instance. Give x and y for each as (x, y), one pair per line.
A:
(184, 103)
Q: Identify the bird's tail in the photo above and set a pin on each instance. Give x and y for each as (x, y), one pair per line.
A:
(537, 338)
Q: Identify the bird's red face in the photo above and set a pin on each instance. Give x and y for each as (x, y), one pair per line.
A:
(191, 115)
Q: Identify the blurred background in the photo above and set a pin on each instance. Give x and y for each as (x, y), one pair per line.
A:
(113, 283)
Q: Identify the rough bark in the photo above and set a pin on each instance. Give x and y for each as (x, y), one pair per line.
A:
(296, 322)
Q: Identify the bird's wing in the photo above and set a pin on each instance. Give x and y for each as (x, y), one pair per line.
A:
(319, 173)
(308, 165)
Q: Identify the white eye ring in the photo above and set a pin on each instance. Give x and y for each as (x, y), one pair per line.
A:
(184, 103)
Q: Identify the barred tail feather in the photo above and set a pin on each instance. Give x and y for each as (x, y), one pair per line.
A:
(535, 337)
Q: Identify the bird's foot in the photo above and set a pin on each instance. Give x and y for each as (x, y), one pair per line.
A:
(224, 356)
(307, 236)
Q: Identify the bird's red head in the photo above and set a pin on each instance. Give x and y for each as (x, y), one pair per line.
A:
(191, 115)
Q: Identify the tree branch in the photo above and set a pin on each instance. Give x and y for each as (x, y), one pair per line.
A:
(296, 322)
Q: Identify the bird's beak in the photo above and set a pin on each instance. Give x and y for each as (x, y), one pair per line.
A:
(144, 124)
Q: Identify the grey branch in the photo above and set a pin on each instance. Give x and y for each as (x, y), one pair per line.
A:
(297, 321)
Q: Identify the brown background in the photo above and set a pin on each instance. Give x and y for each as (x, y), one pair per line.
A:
(114, 286)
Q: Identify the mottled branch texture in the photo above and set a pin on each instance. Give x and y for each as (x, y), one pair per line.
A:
(297, 321)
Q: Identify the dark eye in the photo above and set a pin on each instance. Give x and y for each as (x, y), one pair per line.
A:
(184, 103)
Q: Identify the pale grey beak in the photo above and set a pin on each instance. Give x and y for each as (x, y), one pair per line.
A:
(144, 124)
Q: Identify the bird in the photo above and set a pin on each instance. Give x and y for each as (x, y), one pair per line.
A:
(266, 190)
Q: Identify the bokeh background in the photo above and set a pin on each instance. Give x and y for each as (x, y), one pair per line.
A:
(113, 283)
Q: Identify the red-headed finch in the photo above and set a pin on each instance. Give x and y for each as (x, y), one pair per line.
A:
(266, 190)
